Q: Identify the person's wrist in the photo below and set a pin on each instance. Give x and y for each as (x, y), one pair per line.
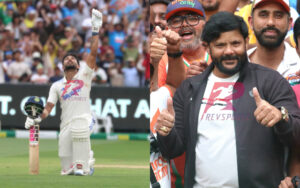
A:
(95, 30)
(175, 54)
(284, 113)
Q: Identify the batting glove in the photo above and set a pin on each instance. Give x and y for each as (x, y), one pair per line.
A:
(37, 120)
(30, 122)
(96, 21)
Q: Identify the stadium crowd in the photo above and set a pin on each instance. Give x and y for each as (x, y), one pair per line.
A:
(35, 35)
(212, 52)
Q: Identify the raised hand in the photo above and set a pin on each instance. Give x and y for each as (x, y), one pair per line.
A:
(173, 39)
(166, 119)
(195, 68)
(265, 113)
(96, 20)
(158, 46)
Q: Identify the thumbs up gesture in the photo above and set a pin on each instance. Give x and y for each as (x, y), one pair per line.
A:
(265, 113)
(166, 119)
(173, 39)
(158, 46)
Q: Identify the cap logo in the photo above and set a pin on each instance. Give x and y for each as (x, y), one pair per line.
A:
(36, 99)
(184, 2)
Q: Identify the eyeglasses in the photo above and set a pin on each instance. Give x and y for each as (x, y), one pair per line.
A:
(190, 19)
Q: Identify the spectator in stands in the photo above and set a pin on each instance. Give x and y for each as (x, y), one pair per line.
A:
(80, 14)
(36, 60)
(272, 51)
(35, 40)
(131, 74)
(114, 72)
(105, 47)
(17, 27)
(129, 49)
(55, 15)
(57, 75)
(116, 38)
(26, 47)
(30, 25)
(76, 45)
(8, 59)
(66, 42)
(107, 59)
(39, 77)
(31, 15)
(41, 30)
(18, 70)
(99, 75)
(214, 6)
(68, 9)
(50, 51)
(86, 25)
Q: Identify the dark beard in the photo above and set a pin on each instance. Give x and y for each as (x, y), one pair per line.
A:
(212, 7)
(70, 67)
(270, 44)
(242, 61)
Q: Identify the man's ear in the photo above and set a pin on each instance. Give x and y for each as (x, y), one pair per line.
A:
(290, 23)
(250, 21)
(206, 46)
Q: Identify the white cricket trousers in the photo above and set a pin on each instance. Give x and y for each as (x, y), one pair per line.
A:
(75, 145)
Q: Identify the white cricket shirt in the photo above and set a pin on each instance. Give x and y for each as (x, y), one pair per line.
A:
(73, 95)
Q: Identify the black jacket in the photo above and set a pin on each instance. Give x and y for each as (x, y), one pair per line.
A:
(260, 150)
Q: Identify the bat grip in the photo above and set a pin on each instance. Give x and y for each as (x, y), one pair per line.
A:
(34, 135)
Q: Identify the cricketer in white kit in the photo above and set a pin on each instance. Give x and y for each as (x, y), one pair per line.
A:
(73, 93)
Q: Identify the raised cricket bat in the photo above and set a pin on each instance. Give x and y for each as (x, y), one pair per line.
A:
(34, 147)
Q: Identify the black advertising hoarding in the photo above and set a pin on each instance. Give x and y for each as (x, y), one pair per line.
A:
(128, 107)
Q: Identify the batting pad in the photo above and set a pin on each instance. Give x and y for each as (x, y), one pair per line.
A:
(81, 144)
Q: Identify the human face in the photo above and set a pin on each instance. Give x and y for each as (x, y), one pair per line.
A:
(190, 35)
(270, 23)
(210, 5)
(70, 63)
(157, 15)
(228, 53)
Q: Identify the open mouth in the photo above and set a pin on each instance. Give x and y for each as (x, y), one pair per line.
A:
(187, 35)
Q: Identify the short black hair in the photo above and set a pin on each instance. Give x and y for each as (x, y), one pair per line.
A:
(70, 54)
(222, 22)
(296, 30)
(166, 2)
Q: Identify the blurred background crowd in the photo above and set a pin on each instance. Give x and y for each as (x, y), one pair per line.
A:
(35, 35)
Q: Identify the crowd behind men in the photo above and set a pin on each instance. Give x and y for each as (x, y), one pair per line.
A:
(35, 35)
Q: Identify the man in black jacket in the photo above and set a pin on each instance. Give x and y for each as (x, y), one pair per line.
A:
(234, 119)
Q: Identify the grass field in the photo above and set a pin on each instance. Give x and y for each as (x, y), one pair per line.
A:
(118, 164)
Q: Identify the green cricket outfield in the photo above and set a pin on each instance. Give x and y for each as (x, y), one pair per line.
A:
(118, 164)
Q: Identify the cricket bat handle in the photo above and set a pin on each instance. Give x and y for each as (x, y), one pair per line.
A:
(34, 149)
